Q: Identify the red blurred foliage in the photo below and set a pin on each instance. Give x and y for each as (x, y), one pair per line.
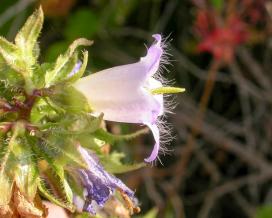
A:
(221, 32)
(204, 23)
(222, 41)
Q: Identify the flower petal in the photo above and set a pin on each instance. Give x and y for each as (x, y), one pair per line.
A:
(156, 133)
(121, 97)
(153, 57)
(151, 84)
(99, 184)
(118, 92)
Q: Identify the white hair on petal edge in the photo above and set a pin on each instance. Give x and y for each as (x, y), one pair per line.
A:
(164, 61)
(170, 102)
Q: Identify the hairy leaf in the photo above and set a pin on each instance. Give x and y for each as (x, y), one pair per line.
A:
(26, 39)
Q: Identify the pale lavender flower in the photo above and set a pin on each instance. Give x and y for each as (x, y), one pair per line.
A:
(98, 184)
(124, 93)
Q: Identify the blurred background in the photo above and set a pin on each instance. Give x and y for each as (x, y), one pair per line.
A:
(219, 163)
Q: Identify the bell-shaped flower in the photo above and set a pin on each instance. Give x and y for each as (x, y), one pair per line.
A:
(99, 185)
(125, 93)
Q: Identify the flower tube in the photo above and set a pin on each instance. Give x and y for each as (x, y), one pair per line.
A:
(125, 93)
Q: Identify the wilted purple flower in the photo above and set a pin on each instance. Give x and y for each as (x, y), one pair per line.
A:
(99, 185)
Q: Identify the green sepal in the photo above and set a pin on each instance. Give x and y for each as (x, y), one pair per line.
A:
(53, 76)
(45, 191)
(60, 182)
(7, 169)
(62, 149)
(26, 172)
(24, 169)
(82, 69)
(113, 163)
(26, 39)
(10, 81)
(68, 98)
(39, 74)
(6, 184)
(6, 180)
(102, 134)
(66, 189)
(26, 178)
(83, 124)
(43, 111)
(57, 171)
(65, 70)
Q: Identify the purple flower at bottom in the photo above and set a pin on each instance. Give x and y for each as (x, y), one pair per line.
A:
(99, 185)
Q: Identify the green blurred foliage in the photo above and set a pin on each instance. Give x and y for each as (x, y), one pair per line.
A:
(76, 27)
(264, 212)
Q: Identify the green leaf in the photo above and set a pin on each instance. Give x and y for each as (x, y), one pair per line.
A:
(13, 57)
(26, 39)
(63, 62)
(11, 79)
(113, 164)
